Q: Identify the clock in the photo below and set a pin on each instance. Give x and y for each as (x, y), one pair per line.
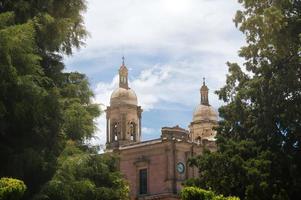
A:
(180, 168)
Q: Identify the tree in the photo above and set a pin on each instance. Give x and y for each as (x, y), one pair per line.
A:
(29, 111)
(79, 112)
(83, 175)
(41, 106)
(259, 136)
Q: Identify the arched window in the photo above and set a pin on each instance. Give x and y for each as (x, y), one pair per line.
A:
(115, 131)
(133, 131)
(123, 79)
(198, 140)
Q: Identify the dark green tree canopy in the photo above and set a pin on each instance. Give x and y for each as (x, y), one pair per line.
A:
(59, 23)
(85, 176)
(41, 106)
(259, 136)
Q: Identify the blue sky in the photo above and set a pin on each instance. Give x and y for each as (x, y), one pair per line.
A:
(169, 46)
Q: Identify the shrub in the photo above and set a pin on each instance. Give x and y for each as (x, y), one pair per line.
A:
(11, 189)
(195, 193)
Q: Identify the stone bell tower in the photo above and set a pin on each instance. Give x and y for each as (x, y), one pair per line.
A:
(123, 115)
(204, 119)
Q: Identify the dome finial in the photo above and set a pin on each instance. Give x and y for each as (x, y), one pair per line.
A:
(123, 75)
(123, 61)
(204, 93)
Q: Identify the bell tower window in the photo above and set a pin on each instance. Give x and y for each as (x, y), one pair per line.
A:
(133, 131)
(123, 79)
(115, 131)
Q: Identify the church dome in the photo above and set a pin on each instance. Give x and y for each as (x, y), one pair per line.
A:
(122, 96)
(204, 113)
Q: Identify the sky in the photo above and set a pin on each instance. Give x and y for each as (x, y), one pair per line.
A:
(168, 45)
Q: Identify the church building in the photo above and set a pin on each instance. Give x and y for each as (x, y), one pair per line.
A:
(156, 169)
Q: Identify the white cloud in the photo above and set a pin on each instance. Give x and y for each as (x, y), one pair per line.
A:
(173, 26)
(100, 136)
(148, 131)
(196, 37)
(104, 90)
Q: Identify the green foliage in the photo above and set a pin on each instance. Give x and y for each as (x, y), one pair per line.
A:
(59, 23)
(91, 176)
(41, 106)
(259, 141)
(195, 193)
(28, 116)
(79, 112)
(11, 189)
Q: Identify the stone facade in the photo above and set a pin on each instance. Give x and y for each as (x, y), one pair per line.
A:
(156, 169)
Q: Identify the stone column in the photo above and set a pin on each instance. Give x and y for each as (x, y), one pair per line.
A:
(139, 119)
(123, 126)
(174, 179)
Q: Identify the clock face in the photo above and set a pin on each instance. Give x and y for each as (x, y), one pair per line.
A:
(180, 167)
